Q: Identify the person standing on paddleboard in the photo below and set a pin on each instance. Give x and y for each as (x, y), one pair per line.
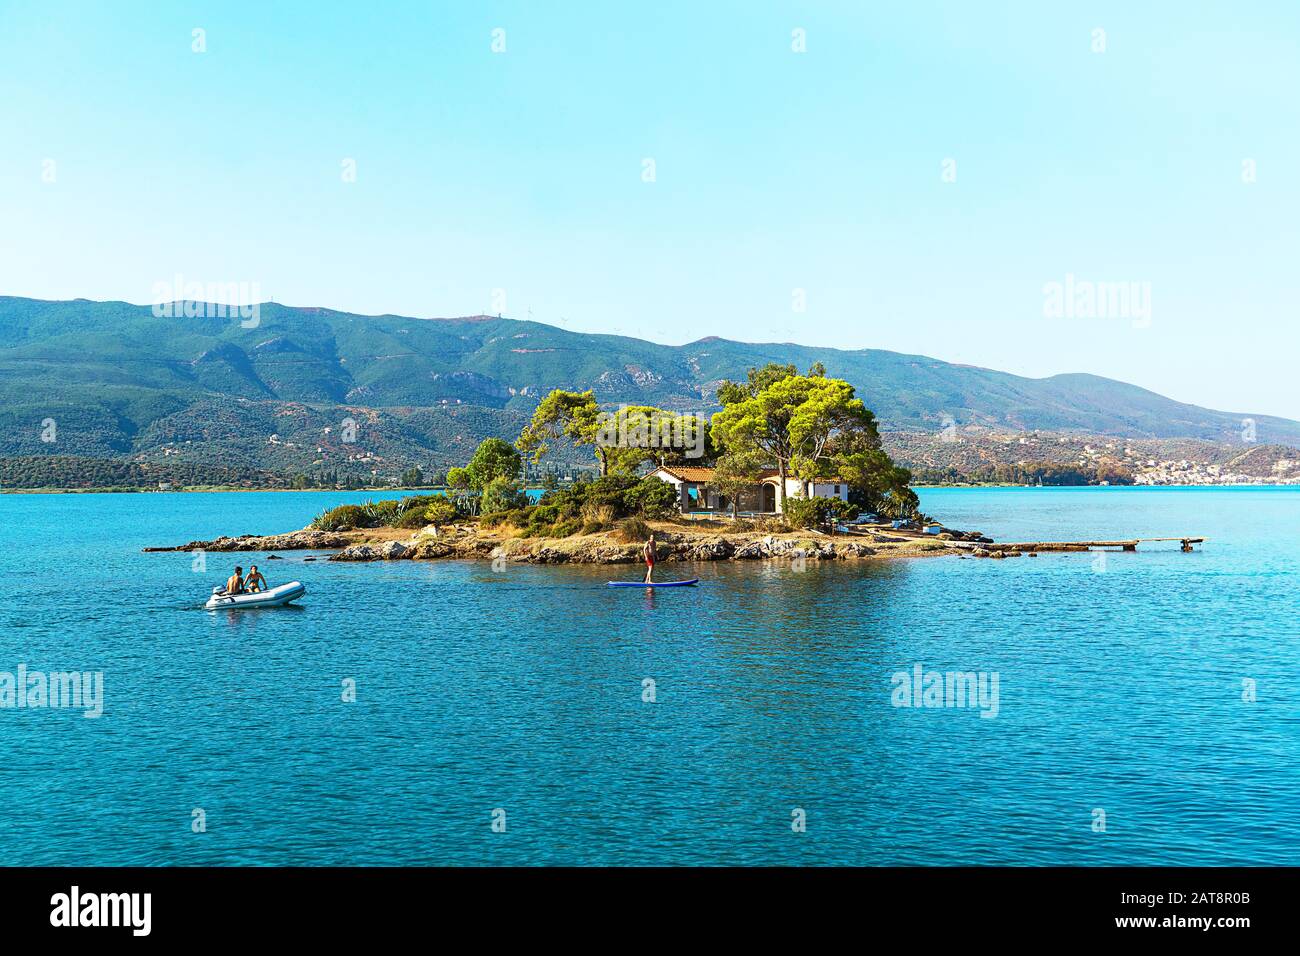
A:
(648, 552)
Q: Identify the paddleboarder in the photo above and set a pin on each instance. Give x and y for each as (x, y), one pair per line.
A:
(648, 552)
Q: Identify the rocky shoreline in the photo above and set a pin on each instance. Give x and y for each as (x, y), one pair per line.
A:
(675, 543)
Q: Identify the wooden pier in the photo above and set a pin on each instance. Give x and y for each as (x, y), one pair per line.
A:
(1026, 546)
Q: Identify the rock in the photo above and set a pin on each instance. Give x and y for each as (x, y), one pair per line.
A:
(274, 557)
(614, 555)
(428, 550)
(389, 551)
(718, 549)
(355, 552)
(394, 551)
(306, 540)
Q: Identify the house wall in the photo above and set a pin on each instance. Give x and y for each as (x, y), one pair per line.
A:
(794, 488)
(748, 502)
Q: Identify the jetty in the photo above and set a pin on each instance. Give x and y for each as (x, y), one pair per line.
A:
(1130, 544)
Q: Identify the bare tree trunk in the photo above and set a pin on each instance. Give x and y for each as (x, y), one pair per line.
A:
(780, 487)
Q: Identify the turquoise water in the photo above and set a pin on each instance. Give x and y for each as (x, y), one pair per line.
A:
(1120, 689)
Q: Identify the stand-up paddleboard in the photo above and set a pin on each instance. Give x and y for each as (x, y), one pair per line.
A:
(653, 584)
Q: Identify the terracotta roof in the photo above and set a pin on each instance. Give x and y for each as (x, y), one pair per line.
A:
(688, 472)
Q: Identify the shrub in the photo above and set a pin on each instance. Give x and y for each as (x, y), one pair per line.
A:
(424, 510)
(602, 516)
(802, 512)
(820, 513)
(517, 517)
(440, 511)
(414, 518)
(632, 530)
(652, 498)
(501, 494)
(562, 529)
(341, 518)
(611, 490)
(379, 513)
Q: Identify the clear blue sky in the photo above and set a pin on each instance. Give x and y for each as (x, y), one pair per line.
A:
(775, 170)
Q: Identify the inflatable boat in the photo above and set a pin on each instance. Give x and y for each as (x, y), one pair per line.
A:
(272, 597)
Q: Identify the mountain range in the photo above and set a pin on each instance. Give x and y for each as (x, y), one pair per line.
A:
(117, 380)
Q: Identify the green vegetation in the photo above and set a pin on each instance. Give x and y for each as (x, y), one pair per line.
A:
(812, 428)
(501, 494)
(1029, 473)
(623, 441)
(822, 514)
(68, 471)
(415, 511)
(735, 474)
(495, 459)
(588, 506)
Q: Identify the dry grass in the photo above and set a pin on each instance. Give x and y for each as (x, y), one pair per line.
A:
(631, 530)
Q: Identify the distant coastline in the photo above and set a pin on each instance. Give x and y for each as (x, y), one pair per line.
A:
(389, 489)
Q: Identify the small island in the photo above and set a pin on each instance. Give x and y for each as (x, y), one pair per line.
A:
(791, 467)
(782, 470)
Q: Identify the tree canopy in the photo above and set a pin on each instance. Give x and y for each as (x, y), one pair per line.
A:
(809, 427)
(493, 459)
(622, 440)
(797, 421)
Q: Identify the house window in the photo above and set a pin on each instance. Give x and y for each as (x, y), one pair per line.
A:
(837, 491)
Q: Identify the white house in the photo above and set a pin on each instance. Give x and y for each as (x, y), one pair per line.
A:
(694, 496)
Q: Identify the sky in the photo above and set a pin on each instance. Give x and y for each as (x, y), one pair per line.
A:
(922, 177)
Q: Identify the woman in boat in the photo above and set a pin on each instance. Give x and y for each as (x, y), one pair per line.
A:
(255, 581)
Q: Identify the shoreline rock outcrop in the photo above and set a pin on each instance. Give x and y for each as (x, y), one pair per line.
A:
(308, 539)
(675, 542)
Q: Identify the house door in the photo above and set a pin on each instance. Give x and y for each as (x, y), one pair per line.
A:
(768, 499)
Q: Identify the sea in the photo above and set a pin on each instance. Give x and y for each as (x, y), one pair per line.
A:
(1066, 709)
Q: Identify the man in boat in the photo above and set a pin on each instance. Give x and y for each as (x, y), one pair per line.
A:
(235, 583)
(648, 552)
(255, 581)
